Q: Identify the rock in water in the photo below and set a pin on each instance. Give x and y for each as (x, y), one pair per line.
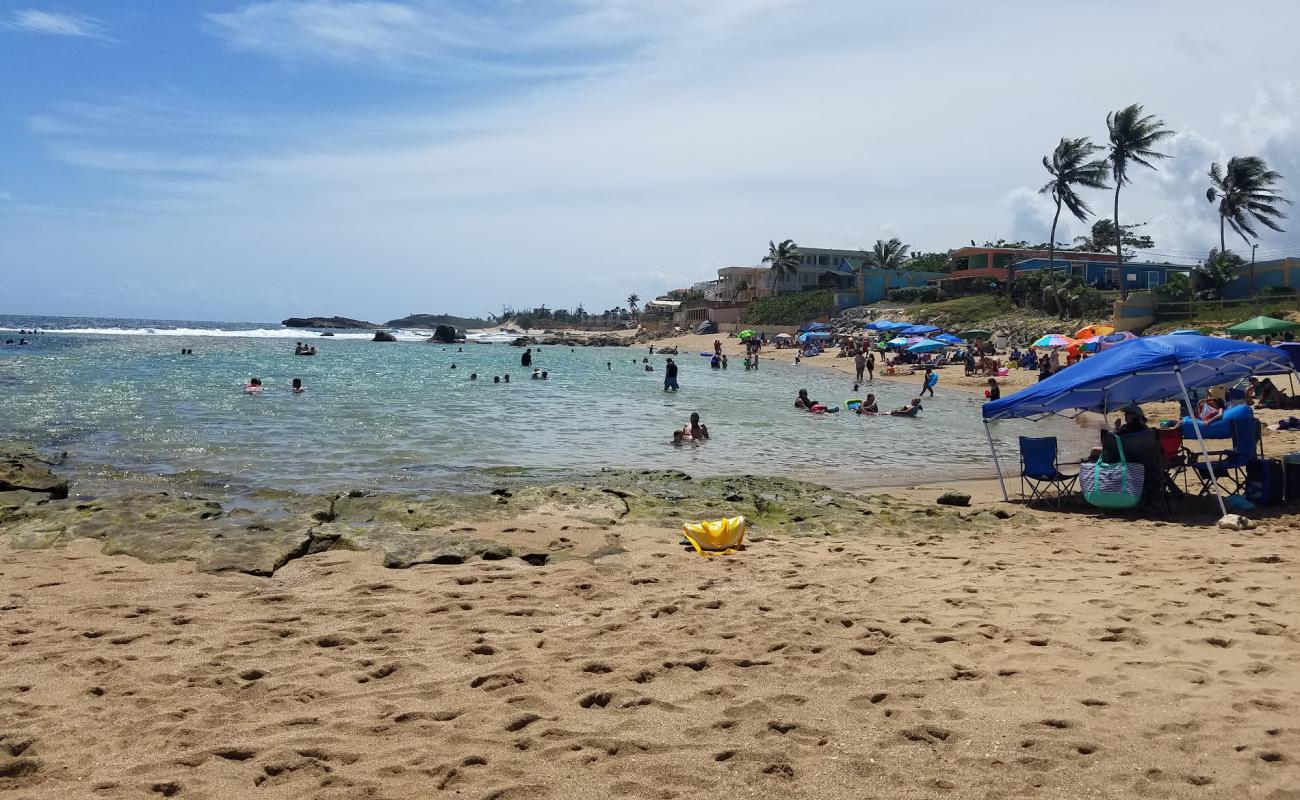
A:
(445, 334)
(384, 336)
(953, 498)
(24, 474)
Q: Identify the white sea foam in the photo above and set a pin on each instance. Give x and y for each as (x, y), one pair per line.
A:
(256, 333)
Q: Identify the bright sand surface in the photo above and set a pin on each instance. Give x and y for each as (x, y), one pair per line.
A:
(1058, 655)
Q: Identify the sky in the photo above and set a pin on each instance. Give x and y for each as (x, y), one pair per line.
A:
(249, 161)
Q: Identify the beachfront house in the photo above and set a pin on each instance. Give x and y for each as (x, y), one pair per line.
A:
(819, 268)
(1108, 275)
(993, 262)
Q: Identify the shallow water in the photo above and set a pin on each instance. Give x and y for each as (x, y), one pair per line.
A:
(397, 416)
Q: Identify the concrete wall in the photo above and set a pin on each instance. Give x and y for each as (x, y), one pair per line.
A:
(1280, 272)
(1135, 313)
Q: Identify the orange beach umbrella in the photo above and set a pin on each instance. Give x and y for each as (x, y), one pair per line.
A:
(1094, 330)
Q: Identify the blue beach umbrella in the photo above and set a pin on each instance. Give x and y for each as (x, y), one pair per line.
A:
(948, 338)
(919, 330)
(803, 337)
(926, 346)
(897, 341)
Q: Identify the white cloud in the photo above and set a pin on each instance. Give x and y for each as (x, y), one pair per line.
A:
(706, 130)
(54, 24)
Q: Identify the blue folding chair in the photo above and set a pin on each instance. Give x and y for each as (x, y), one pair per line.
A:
(1040, 471)
(1230, 465)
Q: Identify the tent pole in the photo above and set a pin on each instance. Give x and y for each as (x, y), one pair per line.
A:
(1205, 451)
(996, 464)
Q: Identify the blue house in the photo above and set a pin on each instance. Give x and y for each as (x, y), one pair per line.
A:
(1133, 276)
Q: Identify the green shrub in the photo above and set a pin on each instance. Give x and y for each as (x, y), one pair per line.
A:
(789, 309)
(1277, 291)
(915, 294)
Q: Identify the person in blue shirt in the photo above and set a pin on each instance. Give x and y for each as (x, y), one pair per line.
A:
(931, 378)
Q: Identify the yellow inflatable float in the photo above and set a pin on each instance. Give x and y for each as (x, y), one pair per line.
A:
(719, 537)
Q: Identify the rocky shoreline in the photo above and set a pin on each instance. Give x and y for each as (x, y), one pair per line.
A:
(260, 532)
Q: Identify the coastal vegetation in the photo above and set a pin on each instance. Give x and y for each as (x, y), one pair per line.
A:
(789, 309)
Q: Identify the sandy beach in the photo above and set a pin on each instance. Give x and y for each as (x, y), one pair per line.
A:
(1050, 655)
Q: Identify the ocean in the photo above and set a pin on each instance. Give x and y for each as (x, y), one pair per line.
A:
(118, 395)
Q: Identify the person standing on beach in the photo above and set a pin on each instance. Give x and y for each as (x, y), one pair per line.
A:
(871, 366)
(859, 366)
(526, 360)
(670, 376)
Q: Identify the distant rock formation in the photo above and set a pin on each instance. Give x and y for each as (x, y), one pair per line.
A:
(430, 321)
(329, 322)
(446, 334)
(384, 336)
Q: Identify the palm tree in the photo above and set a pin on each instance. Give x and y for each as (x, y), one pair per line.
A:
(882, 255)
(784, 259)
(1133, 139)
(1246, 195)
(1070, 165)
(632, 300)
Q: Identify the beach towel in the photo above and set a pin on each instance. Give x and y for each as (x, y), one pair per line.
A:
(720, 537)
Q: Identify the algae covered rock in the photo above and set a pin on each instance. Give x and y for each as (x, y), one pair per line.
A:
(26, 474)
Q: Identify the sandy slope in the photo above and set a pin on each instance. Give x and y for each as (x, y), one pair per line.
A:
(1062, 656)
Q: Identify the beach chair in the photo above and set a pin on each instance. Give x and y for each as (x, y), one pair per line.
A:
(1040, 472)
(1229, 465)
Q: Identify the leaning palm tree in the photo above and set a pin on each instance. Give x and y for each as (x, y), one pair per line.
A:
(1071, 165)
(632, 300)
(1133, 139)
(883, 254)
(1246, 195)
(783, 258)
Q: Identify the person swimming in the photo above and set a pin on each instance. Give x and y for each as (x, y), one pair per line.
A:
(254, 386)
(679, 437)
(868, 406)
(496, 378)
(803, 402)
(546, 376)
(297, 386)
(909, 410)
(537, 374)
(473, 376)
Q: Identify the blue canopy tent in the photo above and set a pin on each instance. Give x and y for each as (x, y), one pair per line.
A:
(815, 326)
(1292, 349)
(919, 330)
(877, 325)
(895, 326)
(948, 338)
(1147, 370)
(926, 346)
(803, 337)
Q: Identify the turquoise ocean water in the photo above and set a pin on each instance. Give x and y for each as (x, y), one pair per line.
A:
(118, 394)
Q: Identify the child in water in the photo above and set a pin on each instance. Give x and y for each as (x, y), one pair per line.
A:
(254, 386)
(297, 386)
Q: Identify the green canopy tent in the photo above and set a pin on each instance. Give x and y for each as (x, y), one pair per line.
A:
(1262, 326)
(976, 333)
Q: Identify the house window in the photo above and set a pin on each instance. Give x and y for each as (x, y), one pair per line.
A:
(1153, 279)
(1112, 277)
(823, 260)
